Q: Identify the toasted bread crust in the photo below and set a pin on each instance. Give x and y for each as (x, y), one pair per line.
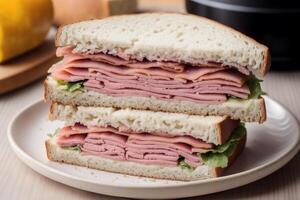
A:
(225, 129)
(263, 111)
(267, 62)
(48, 150)
(217, 171)
(52, 114)
(46, 96)
(57, 36)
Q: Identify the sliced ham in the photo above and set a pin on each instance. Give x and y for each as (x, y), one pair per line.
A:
(123, 144)
(126, 89)
(195, 74)
(181, 139)
(200, 90)
(73, 130)
(182, 148)
(228, 75)
(71, 141)
(116, 61)
(177, 148)
(162, 80)
(124, 60)
(112, 60)
(80, 129)
(105, 144)
(102, 154)
(105, 149)
(108, 136)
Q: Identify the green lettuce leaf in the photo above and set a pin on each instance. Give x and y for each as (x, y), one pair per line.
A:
(255, 89)
(215, 159)
(75, 148)
(218, 157)
(70, 86)
(184, 165)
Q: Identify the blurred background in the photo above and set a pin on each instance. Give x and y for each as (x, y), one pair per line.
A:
(27, 28)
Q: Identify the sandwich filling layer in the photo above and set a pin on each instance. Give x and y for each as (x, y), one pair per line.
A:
(122, 76)
(146, 148)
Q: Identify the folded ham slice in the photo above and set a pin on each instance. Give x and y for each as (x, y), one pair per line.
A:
(125, 60)
(70, 141)
(105, 144)
(143, 148)
(80, 129)
(115, 76)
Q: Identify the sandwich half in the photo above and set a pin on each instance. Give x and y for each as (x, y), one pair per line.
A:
(161, 62)
(145, 143)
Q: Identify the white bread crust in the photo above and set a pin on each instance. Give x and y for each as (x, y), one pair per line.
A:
(167, 37)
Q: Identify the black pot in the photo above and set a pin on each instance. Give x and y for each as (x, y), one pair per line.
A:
(275, 23)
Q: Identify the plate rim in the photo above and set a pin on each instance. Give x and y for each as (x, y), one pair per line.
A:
(30, 161)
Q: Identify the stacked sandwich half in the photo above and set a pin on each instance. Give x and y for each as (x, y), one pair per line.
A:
(154, 95)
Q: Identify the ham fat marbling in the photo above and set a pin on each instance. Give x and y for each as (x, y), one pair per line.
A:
(115, 76)
(137, 147)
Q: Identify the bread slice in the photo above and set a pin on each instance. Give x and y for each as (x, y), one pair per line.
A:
(56, 153)
(167, 37)
(252, 110)
(212, 129)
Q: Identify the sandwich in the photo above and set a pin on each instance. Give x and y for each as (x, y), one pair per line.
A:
(161, 145)
(161, 62)
(156, 95)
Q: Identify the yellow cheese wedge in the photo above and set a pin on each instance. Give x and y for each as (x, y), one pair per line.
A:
(24, 24)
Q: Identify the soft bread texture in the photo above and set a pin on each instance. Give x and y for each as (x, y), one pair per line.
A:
(56, 153)
(252, 110)
(167, 37)
(212, 129)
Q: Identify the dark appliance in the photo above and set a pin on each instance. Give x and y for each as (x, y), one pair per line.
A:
(275, 23)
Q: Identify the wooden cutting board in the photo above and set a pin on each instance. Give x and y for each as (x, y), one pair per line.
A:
(28, 67)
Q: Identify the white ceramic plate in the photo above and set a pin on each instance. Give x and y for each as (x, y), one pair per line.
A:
(270, 146)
